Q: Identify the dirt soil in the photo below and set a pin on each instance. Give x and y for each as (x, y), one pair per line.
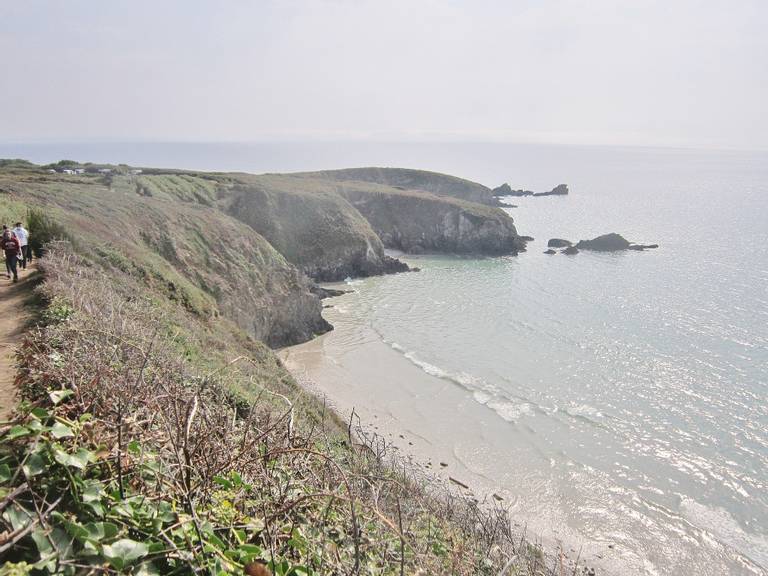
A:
(13, 320)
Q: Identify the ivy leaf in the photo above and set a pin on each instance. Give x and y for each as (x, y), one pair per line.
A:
(124, 552)
(5, 473)
(60, 431)
(99, 531)
(57, 396)
(39, 413)
(77, 460)
(34, 465)
(16, 432)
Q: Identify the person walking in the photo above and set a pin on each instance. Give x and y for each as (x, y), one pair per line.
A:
(23, 237)
(12, 251)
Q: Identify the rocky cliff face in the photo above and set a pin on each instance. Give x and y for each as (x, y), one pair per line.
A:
(425, 223)
(317, 230)
(242, 246)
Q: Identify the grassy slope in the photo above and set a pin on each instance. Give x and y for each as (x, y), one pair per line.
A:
(187, 251)
(407, 179)
(174, 450)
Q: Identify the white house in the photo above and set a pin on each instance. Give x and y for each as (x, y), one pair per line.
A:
(67, 171)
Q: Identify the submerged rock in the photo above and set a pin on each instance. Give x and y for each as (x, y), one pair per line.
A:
(570, 250)
(605, 243)
(550, 251)
(558, 243)
(641, 247)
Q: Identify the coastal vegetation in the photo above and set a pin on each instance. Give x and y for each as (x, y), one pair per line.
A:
(157, 432)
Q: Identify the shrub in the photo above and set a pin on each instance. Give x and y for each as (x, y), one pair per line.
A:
(42, 230)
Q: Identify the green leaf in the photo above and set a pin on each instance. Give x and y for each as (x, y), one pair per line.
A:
(34, 465)
(60, 431)
(17, 517)
(77, 460)
(57, 396)
(98, 531)
(134, 447)
(223, 482)
(124, 552)
(92, 492)
(17, 432)
(40, 413)
(5, 473)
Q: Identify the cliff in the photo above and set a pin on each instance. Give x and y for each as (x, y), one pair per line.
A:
(421, 222)
(245, 247)
(314, 227)
(196, 255)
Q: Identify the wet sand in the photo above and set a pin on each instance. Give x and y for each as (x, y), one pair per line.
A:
(437, 424)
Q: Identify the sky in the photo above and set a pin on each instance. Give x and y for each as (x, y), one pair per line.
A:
(691, 73)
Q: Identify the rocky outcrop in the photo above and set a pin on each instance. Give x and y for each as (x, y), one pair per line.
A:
(506, 190)
(570, 250)
(419, 222)
(558, 243)
(605, 243)
(550, 251)
(559, 190)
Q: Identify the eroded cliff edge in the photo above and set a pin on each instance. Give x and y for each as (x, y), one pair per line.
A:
(248, 248)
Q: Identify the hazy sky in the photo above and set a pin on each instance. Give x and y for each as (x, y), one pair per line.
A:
(667, 72)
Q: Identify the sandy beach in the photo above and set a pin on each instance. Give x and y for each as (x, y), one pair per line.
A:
(436, 424)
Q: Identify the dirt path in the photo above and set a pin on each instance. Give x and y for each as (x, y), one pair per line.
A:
(13, 317)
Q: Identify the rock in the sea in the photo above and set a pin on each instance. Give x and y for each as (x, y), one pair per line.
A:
(506, 190)
(558, 243)
(570, 250)
(324, 293)
(641, 247)
(550, 251)
(503, 190)
(526, 238)
(559, 190)
(605, 243)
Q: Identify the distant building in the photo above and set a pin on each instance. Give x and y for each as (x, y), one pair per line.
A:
(135, 171)
(67, 171)
(79, 170)
(51, 171)
(105, 170)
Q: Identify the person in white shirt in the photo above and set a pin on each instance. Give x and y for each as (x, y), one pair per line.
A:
(23, 237)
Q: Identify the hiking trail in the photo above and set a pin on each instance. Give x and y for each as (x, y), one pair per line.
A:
(13, 319)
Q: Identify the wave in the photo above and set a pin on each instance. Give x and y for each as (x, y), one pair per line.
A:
(482, 392)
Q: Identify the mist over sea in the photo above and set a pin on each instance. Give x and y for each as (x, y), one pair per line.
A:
(624, 395)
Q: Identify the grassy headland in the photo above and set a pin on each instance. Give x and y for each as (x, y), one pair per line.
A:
(159, 434)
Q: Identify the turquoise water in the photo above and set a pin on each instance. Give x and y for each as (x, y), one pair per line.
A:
(632, 386)
(635, 384)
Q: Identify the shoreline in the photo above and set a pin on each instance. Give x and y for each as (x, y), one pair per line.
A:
(415, 413)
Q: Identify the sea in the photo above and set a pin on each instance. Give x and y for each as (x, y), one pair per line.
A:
(618, 401)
